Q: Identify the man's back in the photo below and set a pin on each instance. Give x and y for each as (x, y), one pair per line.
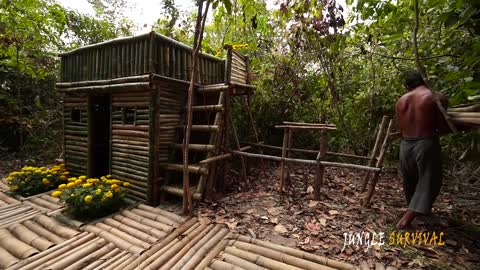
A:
(417, 113)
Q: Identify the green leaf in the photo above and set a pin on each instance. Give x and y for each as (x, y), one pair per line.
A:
(228, 6)
(459, 4)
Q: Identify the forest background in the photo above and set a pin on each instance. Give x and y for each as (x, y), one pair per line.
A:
(310, 59)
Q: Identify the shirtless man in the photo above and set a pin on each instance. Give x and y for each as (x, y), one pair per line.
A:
(420, 123)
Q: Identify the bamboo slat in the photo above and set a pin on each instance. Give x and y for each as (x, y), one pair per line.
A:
(30, 238)
(123, 235)
(53, 226)
(158, 234)
(14, 246)
(120, 243)
(7, 259)
(147, 221)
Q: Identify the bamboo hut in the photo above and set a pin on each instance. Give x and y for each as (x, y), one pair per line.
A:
(124, 112)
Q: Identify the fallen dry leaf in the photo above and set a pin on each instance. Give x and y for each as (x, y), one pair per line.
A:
(280, 229)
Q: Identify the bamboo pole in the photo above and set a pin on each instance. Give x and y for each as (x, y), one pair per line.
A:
(149, 222)
(147, 256)
(229, 258)
(158, 234)
(160, 258)
(260, 260)
(311, 162)
(284, 154)
(289, 145)
(214, 248)
(14, 246)
(7, 259)
(53, 226)
(88, 259)
(29, 237)
(111, 260)
(162, 212)
(129, 236)
(221, 265)
(235, 137)
(67, 260)
(373, 155)
(120, 243)
(298, 253)
(278, 256)
(169, 265)
(379, 165)
(154, 216)
(196, 253)
(103, 259)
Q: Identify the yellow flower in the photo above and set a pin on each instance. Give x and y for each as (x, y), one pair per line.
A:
(98, 191)
(109, 176)
(9, 179)
(126, 184)
(87, 185)
(38, 171)
(78, 182)
(88, 199)
(62, 186)
(13, 188)
(114, 186)
(45, 181)
(108, 181)
(56, 194)
(65, 173)
(53, 172)
(83, 177)
(109, 195)
(72, 179)
(70, 185)
(117, 189)
(63, 177)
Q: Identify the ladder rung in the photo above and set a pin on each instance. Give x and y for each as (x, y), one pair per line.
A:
(192, 168)
(202, 128)
(196, 147)
(178, 191)
(207, 108)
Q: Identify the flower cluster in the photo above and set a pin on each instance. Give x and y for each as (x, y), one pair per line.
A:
(92, 197)
(33, 180)
(239, 46)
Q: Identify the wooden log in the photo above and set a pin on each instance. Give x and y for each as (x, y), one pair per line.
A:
(311, 162)
(469, 108)
(156, 233)
(468, 120)
(14, 246)
(298, 253)
(306, 127)
(308, 124)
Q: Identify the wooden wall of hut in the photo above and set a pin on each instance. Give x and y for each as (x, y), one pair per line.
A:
(170, 104)
(143, 54)
(239, 68)
(76, 134)
(130, 149)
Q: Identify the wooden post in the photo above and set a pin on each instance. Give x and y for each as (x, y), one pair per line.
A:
(289, 145)
(320, 168)
(373, 155)
(379, 165)
(284, 152)
(252, 125)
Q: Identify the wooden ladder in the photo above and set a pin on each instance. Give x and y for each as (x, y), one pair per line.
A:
(205, 142)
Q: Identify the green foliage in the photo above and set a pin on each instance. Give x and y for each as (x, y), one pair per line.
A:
(34, 180)
(92, 197)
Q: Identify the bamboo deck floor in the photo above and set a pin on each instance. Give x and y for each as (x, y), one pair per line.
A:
(140, 237)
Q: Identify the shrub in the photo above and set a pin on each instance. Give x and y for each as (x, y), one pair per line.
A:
(92, 197)
(34, 180)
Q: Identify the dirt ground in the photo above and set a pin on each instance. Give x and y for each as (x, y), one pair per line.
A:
(294, 220)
